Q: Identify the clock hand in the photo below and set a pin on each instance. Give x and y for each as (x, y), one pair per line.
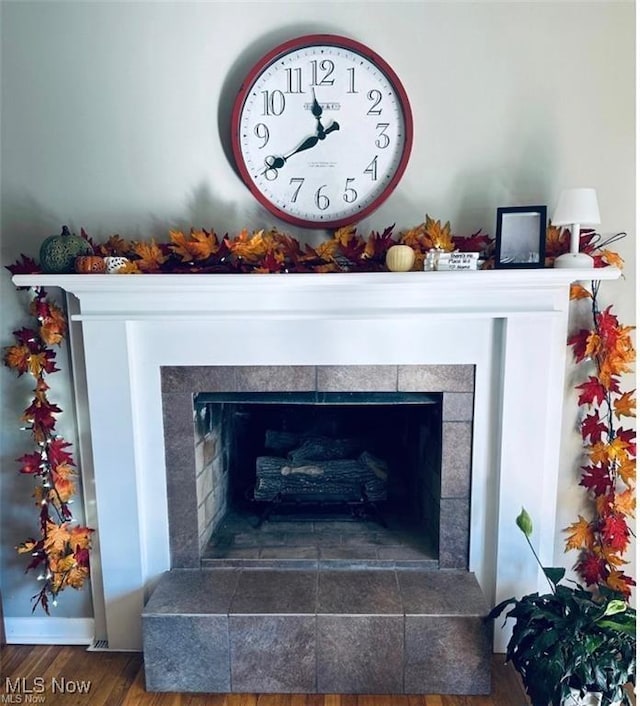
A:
(277, 162)
(316, 109)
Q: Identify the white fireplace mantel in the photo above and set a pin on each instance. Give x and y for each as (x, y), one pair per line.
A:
(510, 324)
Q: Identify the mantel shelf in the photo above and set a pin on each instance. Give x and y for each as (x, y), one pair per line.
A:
(461, 280)
(492, 293)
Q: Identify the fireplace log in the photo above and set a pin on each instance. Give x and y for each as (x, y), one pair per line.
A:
(342, 480)
(323, 448)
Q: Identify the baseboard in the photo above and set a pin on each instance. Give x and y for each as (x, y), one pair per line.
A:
(49, 631)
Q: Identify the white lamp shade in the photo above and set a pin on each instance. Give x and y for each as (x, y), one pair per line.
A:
(577, 206)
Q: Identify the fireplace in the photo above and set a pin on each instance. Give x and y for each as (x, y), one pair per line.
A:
(245, 488)
(509, 326)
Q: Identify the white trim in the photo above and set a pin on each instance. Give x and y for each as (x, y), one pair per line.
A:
(49, 631)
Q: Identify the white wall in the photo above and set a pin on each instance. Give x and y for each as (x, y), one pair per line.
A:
(115, 118)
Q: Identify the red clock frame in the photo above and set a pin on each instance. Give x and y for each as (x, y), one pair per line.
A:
(273, 56)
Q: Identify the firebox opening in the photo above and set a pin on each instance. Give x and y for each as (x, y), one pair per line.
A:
(312, 476)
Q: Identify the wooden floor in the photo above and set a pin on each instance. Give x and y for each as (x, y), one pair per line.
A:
(117, 679)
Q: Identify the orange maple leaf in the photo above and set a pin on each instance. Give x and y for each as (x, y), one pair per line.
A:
(114, 246)
(625, 502)
(345, 234)
(80, 537)
(598, 453)
(580, 535)
(617, 581)
(17, 357)
(627, 471)
(57, 537)
(612, 258)
(617, 450)
(150, 255)
(557, 240)
(25, 547)
(625, 405)
(327, 249)
(77, 576)
(577, 291)
(439, 235)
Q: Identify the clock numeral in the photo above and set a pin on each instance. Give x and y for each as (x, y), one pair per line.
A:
(299, 181)
(375, 96)
(261, 131)
(274, 102)
(327, 66)
(372, 169)
(352, 80)
(382, 140)
(294, 80)
(322, 201)
(271, 171)
(350, 194)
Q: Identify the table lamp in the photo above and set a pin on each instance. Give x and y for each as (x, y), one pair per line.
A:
(576, 207)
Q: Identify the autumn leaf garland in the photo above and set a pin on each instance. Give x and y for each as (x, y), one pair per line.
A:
(61, 552)
(609, 474)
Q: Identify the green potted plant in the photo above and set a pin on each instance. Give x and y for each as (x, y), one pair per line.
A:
(571, 647)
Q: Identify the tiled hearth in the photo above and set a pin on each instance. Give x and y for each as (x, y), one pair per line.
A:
(260, 630)
(352, 607)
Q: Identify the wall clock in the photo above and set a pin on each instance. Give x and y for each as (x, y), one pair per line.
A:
(321, 131)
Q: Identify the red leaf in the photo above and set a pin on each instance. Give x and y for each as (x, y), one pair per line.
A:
(29, 338)
(628, 436)
(57, 454)
(596, 478)
(24, 266)
(592, 390)
(592, 428)
(615, 532)
(30, 463)
(591, 568)
(579, 344)
(477, 242)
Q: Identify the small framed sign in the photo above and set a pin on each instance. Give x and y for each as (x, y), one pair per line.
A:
(520, 236)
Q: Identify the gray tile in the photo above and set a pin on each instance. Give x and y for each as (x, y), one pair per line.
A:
(263, 591)
(193, 591)
(289, 552)
(352, 552)
(358, 592)
(454, 533)
(360, 654)
(186, 653)
(198, 378)
(456, 459)
(457, 407)
(449, 592)
(273, 654)
(436, 378)
(357, 378)
(276, 378)
(179, 432)
(447, 655)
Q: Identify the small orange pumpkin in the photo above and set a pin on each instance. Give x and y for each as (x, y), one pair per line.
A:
(89, 264)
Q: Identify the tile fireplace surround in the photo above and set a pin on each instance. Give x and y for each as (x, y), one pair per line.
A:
(511, 325)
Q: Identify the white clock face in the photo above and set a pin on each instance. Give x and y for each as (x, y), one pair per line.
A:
(322, 132)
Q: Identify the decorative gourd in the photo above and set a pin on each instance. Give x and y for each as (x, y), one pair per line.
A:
(58, 252)
(90, 264)
(114, 263)
(400, 258)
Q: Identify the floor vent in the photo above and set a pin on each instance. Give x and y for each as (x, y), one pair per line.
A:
(98, 646)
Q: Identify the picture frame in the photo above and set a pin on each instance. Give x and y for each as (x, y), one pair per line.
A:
(520, 237)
